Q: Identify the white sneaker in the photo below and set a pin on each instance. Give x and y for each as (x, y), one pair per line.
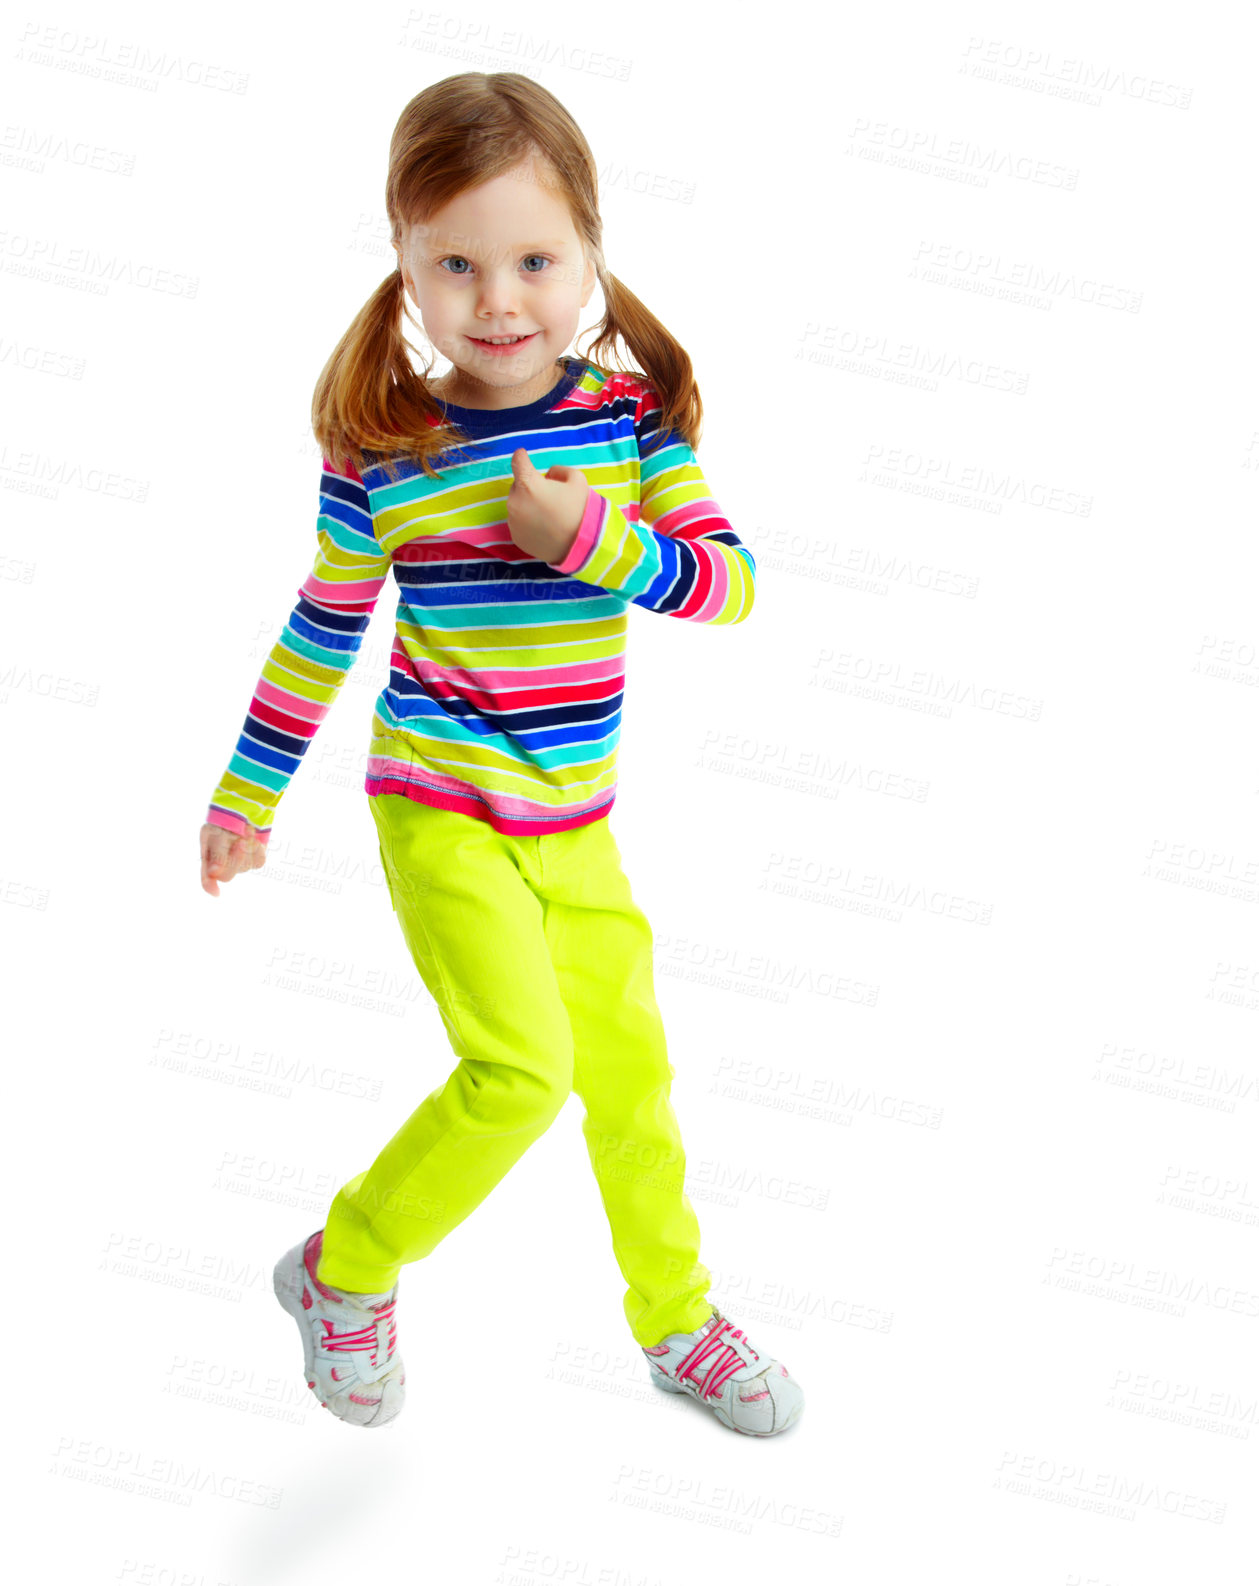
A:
(350, 1340)
(745, 1390)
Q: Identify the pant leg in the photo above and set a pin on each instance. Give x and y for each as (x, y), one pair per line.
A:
(475, 931)
(602, 949)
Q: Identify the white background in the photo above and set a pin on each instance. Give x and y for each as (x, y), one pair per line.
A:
(950, 849)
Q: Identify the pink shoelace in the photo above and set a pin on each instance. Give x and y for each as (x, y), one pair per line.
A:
(366, 1337)
(717, 1356)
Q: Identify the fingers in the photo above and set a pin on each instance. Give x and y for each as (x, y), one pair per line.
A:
(224, 856)
(246, 853)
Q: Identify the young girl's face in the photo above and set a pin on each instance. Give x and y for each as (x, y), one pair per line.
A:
(502, 259)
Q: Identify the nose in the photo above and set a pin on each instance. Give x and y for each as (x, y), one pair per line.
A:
(499, 292)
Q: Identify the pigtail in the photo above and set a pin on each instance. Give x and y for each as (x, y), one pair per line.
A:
(662, 359)
(370, 405)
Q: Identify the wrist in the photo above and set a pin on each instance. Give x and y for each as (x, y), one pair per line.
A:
(577, 543)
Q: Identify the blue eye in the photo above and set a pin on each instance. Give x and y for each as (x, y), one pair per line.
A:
(453, 257)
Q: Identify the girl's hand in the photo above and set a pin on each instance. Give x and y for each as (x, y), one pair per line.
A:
(224, 855)
(544, 511)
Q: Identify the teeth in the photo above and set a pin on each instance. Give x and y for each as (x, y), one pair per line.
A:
(500, 341)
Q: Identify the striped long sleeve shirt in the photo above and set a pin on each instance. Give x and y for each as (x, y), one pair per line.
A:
(507, 673)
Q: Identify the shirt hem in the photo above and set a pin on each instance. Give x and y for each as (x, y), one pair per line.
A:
(477, 807)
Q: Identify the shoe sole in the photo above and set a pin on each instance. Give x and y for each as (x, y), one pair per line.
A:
(668, 1385)
(288, 1279)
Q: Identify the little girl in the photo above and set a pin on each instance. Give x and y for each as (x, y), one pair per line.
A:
(492, 765)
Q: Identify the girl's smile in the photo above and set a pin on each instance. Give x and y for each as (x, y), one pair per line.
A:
(502, 349)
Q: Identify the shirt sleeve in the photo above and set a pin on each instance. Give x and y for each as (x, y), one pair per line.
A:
(678, 555)
(310, 660)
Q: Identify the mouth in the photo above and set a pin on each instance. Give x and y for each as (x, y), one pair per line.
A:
(503, 347)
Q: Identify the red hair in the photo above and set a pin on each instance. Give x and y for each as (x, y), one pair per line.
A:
(456, 134)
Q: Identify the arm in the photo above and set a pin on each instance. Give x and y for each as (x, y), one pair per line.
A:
(309, 661)
(684, 560)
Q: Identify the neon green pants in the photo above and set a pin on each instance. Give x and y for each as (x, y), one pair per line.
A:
(540, 964)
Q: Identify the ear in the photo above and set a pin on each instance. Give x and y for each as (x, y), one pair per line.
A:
(588, 283)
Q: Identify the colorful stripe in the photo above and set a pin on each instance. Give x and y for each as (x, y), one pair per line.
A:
(507, 673)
